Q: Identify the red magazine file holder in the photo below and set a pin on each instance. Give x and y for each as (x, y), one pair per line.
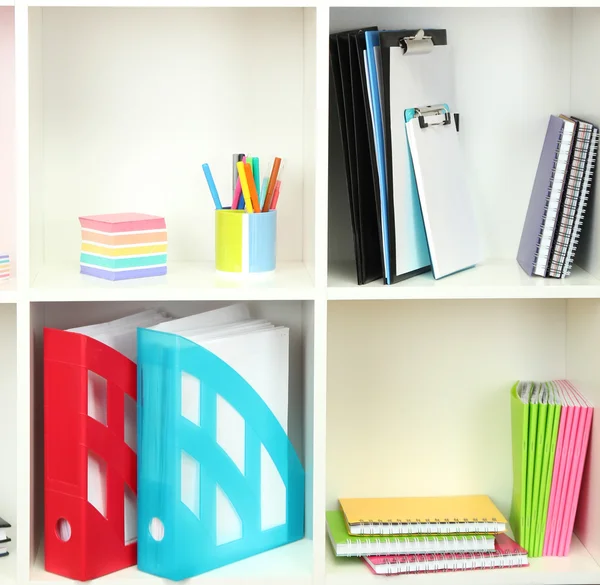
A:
(96, 544)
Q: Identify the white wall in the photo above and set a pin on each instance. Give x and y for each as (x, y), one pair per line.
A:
(418, 393)
(583, 340)
(7, 133)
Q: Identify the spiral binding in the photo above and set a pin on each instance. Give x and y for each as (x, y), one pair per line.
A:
(451, 561)
(570, 204)
(568, 266)
(414, 545)
(427, 526)
(557, 177)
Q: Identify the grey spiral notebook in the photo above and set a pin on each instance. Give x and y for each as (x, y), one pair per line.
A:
(546, 196)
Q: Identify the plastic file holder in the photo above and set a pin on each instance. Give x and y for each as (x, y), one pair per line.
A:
(174, 542)
(80, 542)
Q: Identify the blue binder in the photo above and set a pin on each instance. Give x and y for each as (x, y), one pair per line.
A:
(372, 41)
(186, 545)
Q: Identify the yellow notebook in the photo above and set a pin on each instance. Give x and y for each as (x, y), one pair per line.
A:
(427, 515)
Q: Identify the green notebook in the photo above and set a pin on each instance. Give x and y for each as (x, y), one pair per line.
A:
(552, 420)
(345, 545)
(532, 442)
(535, 414)
(519, 406)
(536, 510)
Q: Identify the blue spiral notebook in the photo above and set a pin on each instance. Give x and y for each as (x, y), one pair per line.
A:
(218, 478)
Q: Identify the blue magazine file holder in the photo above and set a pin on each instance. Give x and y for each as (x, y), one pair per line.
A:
(188, 544)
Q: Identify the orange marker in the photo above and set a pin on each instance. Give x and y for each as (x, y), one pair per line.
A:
(245, 187)
(271, 185)
(252, 187)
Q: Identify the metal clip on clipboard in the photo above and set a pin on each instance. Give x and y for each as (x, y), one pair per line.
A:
(434, 116)
(417, 45)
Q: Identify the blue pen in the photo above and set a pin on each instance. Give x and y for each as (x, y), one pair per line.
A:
(263, 192)
(212, 186)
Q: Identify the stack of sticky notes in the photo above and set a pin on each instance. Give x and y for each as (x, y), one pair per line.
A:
(4, 267)
(551, 423)
(413, 535)
(120, 246)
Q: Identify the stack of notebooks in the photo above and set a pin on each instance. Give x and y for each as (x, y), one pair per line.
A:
(121, 246)
(4, 540)
(423, 534)
(559, 198)
(551, 424)
(409, 203)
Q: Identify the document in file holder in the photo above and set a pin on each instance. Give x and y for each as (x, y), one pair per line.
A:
(441, 181)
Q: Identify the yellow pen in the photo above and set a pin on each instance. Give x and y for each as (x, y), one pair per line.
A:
(245, 187)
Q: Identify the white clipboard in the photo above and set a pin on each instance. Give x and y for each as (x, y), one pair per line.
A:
(446, 204)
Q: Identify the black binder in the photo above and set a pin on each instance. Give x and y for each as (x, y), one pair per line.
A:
(349, 77)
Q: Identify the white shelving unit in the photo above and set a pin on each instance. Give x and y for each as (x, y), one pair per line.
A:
(395, 390)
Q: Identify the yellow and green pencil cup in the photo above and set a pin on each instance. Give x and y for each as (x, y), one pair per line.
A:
(245, 243)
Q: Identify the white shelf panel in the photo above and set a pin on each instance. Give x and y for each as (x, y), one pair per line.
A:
(494, 279)
(8, 565)
(578, 567)
(176, 3)
(184, 282)
(8, 291)
(291, 564)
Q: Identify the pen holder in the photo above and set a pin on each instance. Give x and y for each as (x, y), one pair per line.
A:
(245, 242)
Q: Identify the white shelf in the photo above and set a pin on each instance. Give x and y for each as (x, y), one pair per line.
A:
(494, 279)
(175, 3)
(8, 565)
(578, 567)
(291, 564)
(100, 134)
(183, 282)
(8, 291)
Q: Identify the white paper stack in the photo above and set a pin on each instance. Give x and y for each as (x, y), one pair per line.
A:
(258, 351)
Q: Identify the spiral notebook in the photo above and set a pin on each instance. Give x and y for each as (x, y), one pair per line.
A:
(546, 197)
(573, 191)
(345, 545)
(582, 204)
(507, 554)
(422, 515)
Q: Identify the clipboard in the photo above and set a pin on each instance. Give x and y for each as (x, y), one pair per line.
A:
(416, 69)
(448, 213)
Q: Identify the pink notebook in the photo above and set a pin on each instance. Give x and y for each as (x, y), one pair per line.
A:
(572, 496)
(508, 554)
(560, 464)
(571, 449)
